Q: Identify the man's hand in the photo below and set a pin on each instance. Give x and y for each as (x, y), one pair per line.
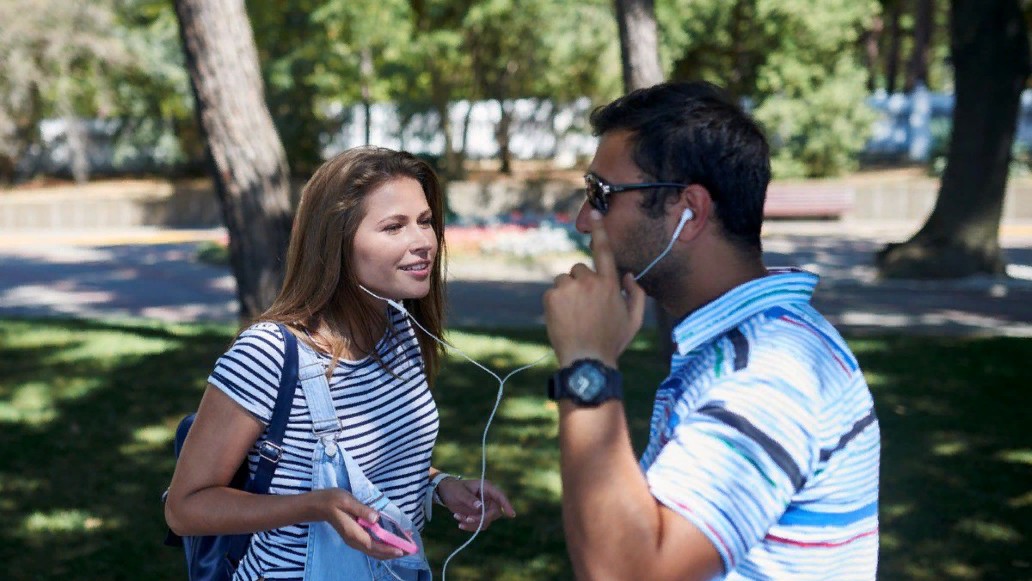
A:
(586, 314)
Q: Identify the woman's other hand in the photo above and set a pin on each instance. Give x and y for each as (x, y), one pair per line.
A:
(462, 498)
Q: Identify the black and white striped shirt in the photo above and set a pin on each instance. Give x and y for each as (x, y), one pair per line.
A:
(389, 428)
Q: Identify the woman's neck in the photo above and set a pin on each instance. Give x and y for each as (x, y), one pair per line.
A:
(354, 338)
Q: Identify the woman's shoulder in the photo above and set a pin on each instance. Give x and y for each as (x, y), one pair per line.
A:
(401, 326)
(267, 328)
(263, 335)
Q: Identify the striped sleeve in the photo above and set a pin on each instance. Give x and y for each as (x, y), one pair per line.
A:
(734, 461)
(249, 373)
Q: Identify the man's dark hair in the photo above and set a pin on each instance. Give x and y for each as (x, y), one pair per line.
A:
(694, 133)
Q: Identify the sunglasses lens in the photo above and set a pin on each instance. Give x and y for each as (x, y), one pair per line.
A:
(594, 193)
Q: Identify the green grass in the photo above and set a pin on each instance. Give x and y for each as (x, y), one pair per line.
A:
(87, 410)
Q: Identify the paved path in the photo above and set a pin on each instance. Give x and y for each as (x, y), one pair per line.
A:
(153, 274)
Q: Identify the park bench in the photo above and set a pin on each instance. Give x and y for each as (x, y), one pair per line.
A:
(804, 200)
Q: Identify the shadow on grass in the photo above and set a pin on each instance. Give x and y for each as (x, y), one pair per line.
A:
(88, 409)
(956, 472)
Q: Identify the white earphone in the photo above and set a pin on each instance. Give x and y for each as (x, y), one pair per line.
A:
(686, 215)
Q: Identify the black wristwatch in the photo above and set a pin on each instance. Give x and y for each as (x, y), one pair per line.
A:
(586, 382)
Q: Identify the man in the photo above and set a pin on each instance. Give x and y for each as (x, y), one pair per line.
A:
(763, 452)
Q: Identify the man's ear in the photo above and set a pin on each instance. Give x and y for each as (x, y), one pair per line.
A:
(696, 202)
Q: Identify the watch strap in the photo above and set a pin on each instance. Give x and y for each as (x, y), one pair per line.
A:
(431, 492)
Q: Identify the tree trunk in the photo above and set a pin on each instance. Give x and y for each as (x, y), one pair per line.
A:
(639, 43)
(639, 55)
(441, 89)
(990, 47)
(917, 66)
(502, 135)
(451, 162)
(248, 163)
(78, 147)
(366, 72)
(871, 39)
(741, 28)
(466, 121)
(892, 54)
(75, 129)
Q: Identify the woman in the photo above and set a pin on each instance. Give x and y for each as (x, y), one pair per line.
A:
(371, 218)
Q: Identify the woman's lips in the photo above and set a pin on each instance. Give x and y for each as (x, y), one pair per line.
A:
(418, 270)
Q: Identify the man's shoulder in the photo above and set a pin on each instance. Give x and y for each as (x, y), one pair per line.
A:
(797, 333)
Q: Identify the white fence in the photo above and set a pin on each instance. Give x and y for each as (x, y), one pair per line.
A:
(911, 126)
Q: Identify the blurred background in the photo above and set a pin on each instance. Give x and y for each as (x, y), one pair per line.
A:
(152, 152)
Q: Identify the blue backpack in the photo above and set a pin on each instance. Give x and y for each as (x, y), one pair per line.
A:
(215, 558)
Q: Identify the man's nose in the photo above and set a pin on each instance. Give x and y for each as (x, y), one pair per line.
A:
(583, 222)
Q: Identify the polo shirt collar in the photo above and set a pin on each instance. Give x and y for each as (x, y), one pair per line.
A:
(780, 286)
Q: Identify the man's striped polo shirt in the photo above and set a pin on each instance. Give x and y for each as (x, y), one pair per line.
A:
(764, 436)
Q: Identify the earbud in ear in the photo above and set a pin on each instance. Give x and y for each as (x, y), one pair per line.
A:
(686, 215)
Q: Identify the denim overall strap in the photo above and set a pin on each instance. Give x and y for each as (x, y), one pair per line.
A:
(312, 374)
(327, 557)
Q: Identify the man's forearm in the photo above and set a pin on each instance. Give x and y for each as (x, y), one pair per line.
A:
(611, 518)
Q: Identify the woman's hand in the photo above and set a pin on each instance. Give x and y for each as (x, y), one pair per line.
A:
(462, 498)
(342, 511)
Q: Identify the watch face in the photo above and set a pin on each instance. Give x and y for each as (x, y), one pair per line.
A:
(586, 382)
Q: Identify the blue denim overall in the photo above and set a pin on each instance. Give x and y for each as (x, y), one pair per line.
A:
(329, 559)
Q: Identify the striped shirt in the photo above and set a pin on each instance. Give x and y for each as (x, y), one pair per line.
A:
(764, 436)
(389, 428)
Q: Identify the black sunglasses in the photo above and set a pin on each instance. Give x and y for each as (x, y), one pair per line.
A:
(598, 190)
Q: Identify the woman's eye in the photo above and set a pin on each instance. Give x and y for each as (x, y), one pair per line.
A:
(426, 222)
(392, 227)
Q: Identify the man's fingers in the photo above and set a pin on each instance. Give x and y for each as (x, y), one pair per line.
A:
(579, 270)
(605, 264)
(635, 300)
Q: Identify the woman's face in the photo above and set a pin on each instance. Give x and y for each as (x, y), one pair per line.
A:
(394, 247)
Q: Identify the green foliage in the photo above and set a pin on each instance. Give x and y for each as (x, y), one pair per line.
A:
(795, 60)
(152, 96)
(289, 51)
(540, 48)
(106, 59)
(55, 60)
(213, 253)
(583, 52)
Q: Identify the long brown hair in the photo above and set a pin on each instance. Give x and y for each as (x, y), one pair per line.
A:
(320, 283)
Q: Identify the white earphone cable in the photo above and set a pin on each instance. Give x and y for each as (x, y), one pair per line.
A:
(490, 418)
(685, 216)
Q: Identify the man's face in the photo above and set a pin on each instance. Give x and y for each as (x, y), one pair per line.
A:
(636, 239)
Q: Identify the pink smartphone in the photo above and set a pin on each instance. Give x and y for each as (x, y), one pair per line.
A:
(390, 532)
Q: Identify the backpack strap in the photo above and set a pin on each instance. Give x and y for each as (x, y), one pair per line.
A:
(271, 450)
